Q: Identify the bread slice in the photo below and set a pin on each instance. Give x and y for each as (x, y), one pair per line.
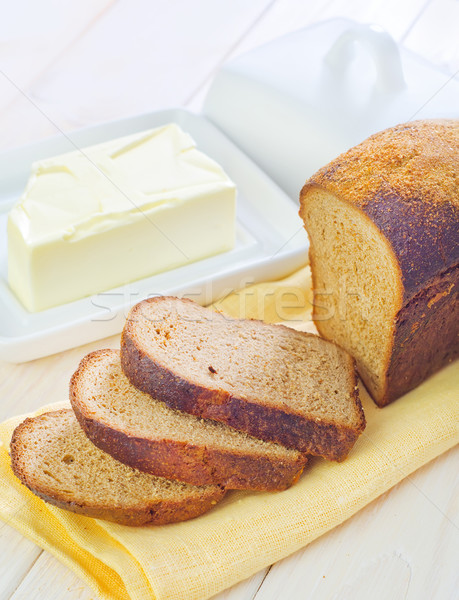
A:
(51, 455)
(148, 435)
(271, 381)
(383, 220)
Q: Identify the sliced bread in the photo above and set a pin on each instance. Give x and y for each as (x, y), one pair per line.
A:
(148, 435)
(270, 381)
(51, 455)
(383, 222)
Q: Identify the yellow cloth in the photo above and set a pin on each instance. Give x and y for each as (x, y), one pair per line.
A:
(246, 531)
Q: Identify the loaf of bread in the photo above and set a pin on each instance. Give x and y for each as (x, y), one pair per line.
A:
(51, 455)
(383, 224)
(270, 381)
(146, 434)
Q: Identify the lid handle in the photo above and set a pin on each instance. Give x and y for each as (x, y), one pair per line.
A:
(382, 48)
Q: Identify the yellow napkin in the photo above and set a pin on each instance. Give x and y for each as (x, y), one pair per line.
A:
(246, 531)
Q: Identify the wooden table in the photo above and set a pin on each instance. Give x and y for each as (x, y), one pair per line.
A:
(75, 63)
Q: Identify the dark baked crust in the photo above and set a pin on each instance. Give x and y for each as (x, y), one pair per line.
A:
(152, 512)
(313, 437)
(156, 513)
(426, 336)
(406, 181)
(193, 464)
(424, 237)
(197, 465)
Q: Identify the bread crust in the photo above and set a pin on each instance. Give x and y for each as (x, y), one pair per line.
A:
(151, 512)
(172, 459)
(156, 513)
(426, 336)
(405, 180)
(314, 437)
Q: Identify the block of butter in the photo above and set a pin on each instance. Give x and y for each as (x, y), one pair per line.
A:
(110, 214)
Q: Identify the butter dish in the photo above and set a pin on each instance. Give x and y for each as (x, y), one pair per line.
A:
(270, 242)
(288, 108)
(315, 92)
(116, 212)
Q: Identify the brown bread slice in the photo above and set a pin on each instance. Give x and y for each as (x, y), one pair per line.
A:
(148, 435)
(383, 222)
(51, 455)
(271, 381)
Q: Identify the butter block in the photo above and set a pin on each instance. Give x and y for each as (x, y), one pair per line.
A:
(95, 219)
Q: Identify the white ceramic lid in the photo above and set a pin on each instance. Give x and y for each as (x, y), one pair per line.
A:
(296, 103)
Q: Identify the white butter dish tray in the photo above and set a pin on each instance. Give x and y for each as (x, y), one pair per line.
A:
(270, 243)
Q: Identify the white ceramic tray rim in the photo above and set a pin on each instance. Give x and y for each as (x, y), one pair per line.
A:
(270, 243)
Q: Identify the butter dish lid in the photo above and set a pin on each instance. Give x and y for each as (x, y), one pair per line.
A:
(295, 103)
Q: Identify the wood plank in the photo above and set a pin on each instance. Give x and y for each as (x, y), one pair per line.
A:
(403, 545)
(48, 579)
(245, 590)
(285, 16)
(394, 531)
(34, 34)
(18, 557)
(435, 35)
(140, 57)
(289, 15)
(27, 386)
(28, 47)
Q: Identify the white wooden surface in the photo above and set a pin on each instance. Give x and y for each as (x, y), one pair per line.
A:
(69, 64)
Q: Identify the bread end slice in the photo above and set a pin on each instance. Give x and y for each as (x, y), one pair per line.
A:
(51, 455)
